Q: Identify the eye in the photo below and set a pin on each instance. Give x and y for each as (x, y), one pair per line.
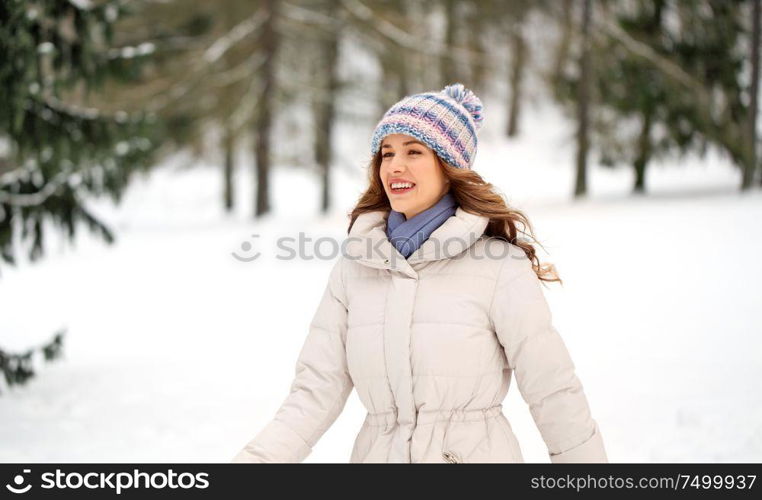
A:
(412, 151)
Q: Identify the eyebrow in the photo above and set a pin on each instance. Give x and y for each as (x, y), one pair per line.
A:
(404, 144)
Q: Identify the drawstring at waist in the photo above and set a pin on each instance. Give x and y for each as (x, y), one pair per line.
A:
(389, 418)
(470, 416)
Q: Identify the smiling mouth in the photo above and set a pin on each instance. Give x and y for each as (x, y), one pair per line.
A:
(401, 187)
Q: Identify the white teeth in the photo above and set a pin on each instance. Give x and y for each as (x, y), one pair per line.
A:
(399, 185)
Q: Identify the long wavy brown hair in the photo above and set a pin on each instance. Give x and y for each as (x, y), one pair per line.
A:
(474, 195)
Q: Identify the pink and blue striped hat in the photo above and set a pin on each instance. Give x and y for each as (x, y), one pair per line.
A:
(446, 121)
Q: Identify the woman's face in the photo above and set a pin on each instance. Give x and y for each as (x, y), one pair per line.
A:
(404, 159)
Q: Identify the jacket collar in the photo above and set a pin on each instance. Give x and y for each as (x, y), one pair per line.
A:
(368, 243)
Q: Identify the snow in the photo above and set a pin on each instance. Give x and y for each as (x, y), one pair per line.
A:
(177, 352)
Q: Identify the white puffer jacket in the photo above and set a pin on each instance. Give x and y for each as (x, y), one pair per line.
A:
(430, 344)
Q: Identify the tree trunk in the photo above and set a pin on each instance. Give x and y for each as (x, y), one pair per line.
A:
(644, 154)
(518, 53)
(477, 60)
(325, 110)
(229, 170)
(403, 87)
(561, 53)
(394, 61)
(262, 125)
(583, 97)
(449, 73)
(750, 166)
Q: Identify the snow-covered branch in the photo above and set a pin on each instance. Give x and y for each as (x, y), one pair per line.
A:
(307, 16)
(248, 101)
(645, 51)
(37, 198)
(239, 72)
(83, 113)
(401, 37)
(211, 55)
(130, 52)
(235, 35)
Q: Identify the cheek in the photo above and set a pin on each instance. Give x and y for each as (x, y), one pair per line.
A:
(434, 177)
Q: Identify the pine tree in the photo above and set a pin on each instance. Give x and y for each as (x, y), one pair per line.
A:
(711, 51)
(55, 151)
(674, 70)
(635, 90)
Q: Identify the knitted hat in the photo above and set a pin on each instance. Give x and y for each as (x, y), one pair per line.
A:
(446, 121)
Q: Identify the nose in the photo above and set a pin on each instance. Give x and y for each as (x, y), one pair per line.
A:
(398, 163)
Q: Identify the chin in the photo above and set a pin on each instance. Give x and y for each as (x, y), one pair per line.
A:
(400, 208)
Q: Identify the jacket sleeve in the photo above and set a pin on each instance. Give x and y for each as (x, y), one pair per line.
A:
(320, 387)
(544, 371)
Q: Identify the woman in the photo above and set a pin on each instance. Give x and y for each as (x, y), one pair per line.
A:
(431, 308)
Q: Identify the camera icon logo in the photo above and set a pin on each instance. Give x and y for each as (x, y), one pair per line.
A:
(18, 481)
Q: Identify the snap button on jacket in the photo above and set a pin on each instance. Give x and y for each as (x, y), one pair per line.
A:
(431, 344)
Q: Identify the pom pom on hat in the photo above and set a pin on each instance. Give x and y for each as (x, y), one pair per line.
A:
(468, 100)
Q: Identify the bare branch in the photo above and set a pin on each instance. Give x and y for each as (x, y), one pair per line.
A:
(399, 36)
(235, 35)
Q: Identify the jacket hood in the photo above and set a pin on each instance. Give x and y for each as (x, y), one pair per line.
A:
(368, 243)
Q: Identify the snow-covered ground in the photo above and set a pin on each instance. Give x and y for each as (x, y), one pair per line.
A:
(178, 352)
